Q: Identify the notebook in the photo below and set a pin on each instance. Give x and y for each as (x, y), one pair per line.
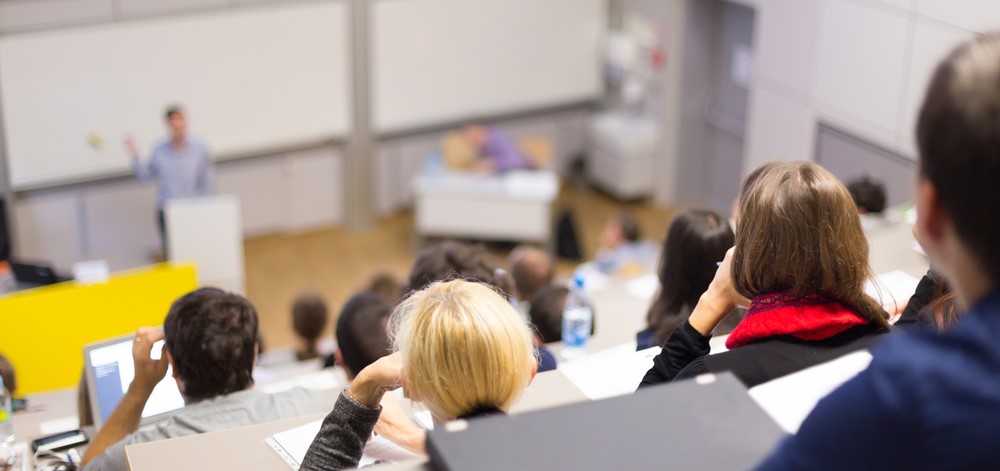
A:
(707, 423)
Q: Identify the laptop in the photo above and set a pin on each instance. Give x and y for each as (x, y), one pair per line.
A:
(707, 423)
(30, 275)
(109, 370)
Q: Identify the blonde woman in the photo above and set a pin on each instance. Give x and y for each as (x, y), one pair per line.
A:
(462, 351)
(800, 262)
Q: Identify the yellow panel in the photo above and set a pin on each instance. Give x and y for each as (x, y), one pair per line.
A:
(43, 331)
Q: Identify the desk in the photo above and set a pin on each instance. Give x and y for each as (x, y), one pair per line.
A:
(514, 206)
(244, 448)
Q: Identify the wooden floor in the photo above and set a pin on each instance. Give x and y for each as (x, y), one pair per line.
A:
(337, 262)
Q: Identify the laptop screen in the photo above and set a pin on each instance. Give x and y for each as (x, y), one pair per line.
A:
(111, 371)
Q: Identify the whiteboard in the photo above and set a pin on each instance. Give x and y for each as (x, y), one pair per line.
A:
(251, 79)
(437, 61)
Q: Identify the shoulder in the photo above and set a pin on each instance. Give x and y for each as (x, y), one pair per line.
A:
(929, 362)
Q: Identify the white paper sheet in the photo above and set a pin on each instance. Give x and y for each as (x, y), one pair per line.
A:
(62, 424)
(643, 287)
(791, 398)
(292, 445)
(613, 372)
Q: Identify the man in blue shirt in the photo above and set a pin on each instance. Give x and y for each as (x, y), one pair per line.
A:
(928, 400)
(179, 164)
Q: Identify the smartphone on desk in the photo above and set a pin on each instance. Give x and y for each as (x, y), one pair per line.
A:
(60, 441)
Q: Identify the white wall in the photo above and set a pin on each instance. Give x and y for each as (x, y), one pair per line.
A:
(860, 65)
(27, 15)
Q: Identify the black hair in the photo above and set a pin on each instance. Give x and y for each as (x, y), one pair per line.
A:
(546, 312)
(868, 194)
(171, 111)
(695, 242)
(629, 226)
(212, 337)
(959, 145)
(361, 331)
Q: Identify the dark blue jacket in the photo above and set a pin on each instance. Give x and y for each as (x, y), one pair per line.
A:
(928, 401)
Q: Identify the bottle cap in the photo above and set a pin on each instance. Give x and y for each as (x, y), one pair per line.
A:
(578, 280)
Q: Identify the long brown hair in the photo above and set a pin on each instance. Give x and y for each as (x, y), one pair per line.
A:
(799, 233)
(696, 241)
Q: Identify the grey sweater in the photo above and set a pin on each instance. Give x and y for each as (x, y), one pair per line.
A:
(342, 438)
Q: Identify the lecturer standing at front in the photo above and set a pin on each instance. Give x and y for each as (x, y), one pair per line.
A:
(179, 164)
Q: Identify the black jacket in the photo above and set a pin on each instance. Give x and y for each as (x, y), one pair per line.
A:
(685, 355)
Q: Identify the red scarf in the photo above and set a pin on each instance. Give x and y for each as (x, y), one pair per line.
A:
(810, 317)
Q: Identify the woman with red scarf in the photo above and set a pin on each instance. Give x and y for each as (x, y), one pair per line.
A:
(799, 264)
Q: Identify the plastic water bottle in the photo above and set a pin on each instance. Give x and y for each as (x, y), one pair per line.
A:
(6, 427)
(577, 319)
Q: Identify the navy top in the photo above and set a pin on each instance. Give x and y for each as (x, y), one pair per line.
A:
(928, 401)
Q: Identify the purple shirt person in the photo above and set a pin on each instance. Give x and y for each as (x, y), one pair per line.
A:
(495, 150)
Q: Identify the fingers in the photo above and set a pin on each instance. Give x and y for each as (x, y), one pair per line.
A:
(145, 337)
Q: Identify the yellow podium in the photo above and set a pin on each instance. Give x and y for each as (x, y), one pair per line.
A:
(43, 330)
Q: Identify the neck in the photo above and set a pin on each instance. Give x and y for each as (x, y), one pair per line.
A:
(970, 288)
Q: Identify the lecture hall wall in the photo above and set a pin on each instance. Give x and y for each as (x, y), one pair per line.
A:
(288, 192)
(859, 65)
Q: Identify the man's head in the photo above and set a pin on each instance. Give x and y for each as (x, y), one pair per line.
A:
(622, 228)
(450, 260)
(532, 269)
(176, 123)
(546, 312)
(958, 137)
(868, 194)
(211, 339)
(361, 332)
(309, 317)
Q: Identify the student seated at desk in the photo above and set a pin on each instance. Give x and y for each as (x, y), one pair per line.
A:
(931, 400)
(496, 365)
(623, 252)
(531, 269)
(361, 333)
(210, 342)
(696, 241)
(451, 260)
(801, 258)
(309, 318)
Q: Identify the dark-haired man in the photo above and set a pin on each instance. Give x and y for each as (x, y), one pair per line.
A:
(930, 400)
(361, 332)
(180, 165)
(211, 344)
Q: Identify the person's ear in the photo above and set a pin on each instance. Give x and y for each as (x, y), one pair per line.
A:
(173, 372)
(338, 357)
(931, 217)
(534, 371)
(402, 383)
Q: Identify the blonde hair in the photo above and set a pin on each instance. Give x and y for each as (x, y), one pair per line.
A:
(464, 347)
(799, 233)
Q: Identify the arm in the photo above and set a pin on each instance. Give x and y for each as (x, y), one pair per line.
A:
(689, 342)
(394, 425)
(342, 437)
(923, 296)
(126, 416)
(142, 171)
(682, 351)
